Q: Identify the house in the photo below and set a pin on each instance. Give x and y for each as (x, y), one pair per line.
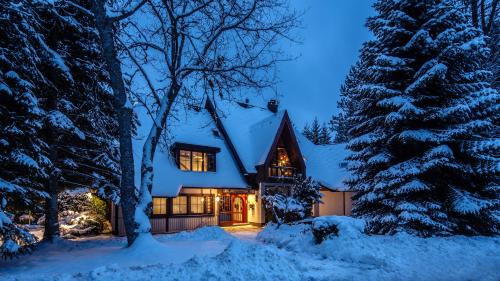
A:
(215, 164)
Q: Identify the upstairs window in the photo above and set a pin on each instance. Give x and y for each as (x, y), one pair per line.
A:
(196, 161)
(281, 165)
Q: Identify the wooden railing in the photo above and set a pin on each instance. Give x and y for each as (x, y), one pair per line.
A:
(282, 171)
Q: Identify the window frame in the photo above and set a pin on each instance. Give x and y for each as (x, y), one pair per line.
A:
(167, 209)
(187, 205)
(209, 156)
(190, 213)
(206, 158)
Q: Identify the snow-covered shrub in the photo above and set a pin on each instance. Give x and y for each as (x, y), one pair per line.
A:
(322, 229)
(292, 202)
(80, 214)
(283, 208)
(26, 219)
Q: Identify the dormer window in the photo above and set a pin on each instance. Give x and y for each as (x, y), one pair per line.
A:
(196, 161)
(195, 158)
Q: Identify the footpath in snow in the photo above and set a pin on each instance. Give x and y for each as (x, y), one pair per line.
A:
(286, 253)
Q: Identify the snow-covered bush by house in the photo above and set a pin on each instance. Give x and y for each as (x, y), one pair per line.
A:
(81, 213)
(292, 202)
(323, 229)
(384, 257)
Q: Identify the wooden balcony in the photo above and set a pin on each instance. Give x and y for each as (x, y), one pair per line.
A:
(282, 172)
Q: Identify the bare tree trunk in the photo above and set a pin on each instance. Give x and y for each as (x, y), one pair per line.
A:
(51, 225)
(143, 211)
(474, 12)
(124, 112)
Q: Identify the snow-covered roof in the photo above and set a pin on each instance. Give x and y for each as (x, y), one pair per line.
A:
(192, 127)
(324, 163)
(251, 129)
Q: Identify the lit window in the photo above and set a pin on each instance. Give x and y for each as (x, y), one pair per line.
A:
(185, 160)
(196, 161)
(179, 205)
(159, 206)
(197, 204)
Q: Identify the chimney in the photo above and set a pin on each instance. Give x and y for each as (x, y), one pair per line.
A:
(272, 105)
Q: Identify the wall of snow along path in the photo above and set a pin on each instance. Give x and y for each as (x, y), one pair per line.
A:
(399, 257)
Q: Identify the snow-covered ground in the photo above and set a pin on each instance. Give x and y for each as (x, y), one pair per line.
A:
(287, 253)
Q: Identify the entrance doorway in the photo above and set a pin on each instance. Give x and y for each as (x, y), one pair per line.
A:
(232, 209)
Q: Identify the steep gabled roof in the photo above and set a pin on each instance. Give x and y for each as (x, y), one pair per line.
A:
(251, 129)
(193, 127)
(285, 127)
(245, 135)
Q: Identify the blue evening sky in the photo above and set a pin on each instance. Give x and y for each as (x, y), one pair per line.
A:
(333, 32)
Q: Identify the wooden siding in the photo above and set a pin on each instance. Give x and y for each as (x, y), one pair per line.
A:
(159, 224)
(189, 223)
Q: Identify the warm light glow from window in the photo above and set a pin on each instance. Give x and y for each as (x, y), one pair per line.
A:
(283, 159)
(159, 206)
(197, 206)
(196, 161)
(179, 205)
(185, 160)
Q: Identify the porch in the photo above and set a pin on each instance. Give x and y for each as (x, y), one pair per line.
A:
(196, 207)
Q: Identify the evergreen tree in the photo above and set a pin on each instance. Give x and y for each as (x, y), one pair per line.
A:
(313, 132)
(60, 130)
(424, 107)
(341, 123)
(80, 127)
(23, 160)
(324, 136)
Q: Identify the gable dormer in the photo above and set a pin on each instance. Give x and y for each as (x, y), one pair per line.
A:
(195, 158)
(284, 159)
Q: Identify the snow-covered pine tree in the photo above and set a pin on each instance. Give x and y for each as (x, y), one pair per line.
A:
(23, 160)
(342, 122)
(324, 135)
(424, 103)
(313, 132)
(80, 127)
(91, 161)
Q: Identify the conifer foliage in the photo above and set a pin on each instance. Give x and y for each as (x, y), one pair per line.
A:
(316, 133)
(23, 162)
(58, 127)
(425, 160)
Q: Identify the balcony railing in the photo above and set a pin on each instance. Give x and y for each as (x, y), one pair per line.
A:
(282, 171)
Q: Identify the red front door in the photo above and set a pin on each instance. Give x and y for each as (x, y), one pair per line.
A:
(233, 209)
